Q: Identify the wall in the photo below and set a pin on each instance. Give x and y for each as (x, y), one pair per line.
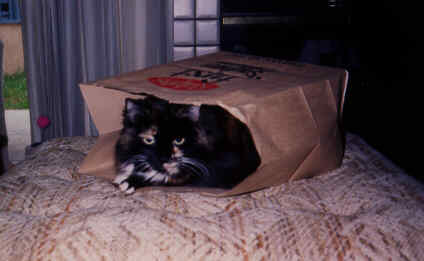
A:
(13, 55)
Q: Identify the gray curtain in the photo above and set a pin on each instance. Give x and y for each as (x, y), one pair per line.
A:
(69, 42)
(145, 32)
(4, 155)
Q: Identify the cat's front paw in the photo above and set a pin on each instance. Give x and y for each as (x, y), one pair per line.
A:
(126, 188)
(123, 181)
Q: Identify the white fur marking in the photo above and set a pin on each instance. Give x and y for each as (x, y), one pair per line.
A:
(124, 186)
(154, 176)
(177, 153)
(130, 191)
(172, 168)
(124, 173)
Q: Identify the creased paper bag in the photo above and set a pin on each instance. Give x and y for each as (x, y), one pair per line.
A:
(292, 110)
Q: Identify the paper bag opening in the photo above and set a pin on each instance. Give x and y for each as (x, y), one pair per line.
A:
(293, 111)
(176, 144)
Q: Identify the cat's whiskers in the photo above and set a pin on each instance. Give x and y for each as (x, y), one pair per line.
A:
(195, 166)
(191, 169)
(140, 166)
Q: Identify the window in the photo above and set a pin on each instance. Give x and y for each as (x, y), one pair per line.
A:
(9, 11)
(196, 27)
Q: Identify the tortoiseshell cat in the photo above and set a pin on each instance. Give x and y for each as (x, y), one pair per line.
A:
(168, 144)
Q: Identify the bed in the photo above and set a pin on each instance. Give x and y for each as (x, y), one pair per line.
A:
(368, 209)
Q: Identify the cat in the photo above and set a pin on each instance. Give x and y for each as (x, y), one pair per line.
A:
(170, 144)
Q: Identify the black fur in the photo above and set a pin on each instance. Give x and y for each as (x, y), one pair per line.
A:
(167, 144)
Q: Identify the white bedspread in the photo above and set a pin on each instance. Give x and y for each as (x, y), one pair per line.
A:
(366, 210)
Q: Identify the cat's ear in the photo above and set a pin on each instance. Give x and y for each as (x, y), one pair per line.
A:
(132, 109)
(129, 104)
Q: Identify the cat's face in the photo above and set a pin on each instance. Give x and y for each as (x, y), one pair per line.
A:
(162, 141)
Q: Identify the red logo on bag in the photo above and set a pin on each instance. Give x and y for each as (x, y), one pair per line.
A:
(182, 84)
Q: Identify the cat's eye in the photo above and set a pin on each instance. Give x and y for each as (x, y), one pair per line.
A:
(149, 140)
(179, 141)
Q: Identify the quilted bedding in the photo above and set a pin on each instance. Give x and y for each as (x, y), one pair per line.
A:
(368, 209)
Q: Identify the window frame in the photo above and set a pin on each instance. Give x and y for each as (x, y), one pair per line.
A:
(12, 15)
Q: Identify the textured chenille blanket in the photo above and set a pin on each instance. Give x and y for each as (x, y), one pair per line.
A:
(368, 209)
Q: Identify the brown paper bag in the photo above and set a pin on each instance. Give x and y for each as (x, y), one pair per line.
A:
(292, 110)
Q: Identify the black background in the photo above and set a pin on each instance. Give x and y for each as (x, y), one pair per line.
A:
(378, 43)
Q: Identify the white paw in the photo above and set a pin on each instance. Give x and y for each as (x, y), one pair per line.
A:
(121, 178)
(123, 174)
(125, 187)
